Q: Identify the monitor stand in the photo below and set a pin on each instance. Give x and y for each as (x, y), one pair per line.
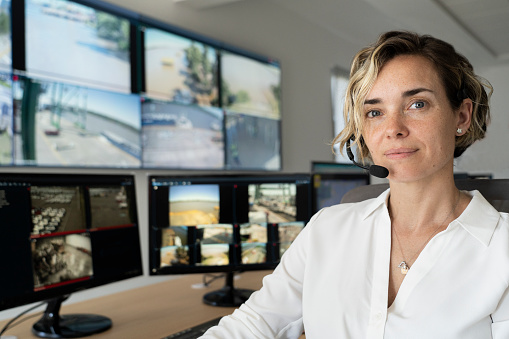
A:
(54, 325)
(228, 296)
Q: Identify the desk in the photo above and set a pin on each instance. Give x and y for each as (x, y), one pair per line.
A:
(153, 311)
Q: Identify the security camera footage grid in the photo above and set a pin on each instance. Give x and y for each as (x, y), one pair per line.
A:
(192, 205)
(76, 46)
(61, 259)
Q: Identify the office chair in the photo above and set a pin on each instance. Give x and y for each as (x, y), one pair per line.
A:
(496, 191)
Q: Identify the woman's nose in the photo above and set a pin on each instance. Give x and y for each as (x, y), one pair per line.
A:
(395, 126)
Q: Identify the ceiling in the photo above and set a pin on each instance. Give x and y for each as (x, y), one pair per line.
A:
(477, 28)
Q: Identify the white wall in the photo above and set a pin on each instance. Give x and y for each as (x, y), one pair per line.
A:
(491, 155)
(307, 53)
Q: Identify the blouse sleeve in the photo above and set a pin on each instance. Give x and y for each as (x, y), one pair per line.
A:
(500, 325)
(275, 311)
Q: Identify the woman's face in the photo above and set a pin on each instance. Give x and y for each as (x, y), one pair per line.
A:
(409, 125)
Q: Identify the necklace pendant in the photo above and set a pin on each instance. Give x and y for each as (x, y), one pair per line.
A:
(404, 267)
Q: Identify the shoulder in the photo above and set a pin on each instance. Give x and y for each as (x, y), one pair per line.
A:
(347, 214)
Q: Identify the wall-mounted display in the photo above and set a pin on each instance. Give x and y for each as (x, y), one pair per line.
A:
(94, 85)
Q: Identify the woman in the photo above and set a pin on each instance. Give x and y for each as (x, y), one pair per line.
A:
(423, 260)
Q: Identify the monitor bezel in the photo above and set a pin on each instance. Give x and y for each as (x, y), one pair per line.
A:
(95, 281)
(154, 259)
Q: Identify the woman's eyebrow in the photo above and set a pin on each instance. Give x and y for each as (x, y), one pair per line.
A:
(405, 94)
(413, 92)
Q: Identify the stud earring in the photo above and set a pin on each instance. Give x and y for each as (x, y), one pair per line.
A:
(459, 131)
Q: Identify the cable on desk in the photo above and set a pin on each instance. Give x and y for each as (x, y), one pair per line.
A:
(213, 277)
(10, 323)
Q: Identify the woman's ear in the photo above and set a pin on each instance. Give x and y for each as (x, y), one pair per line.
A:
(464, 118)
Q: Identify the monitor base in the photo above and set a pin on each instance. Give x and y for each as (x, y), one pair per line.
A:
(54, 325)
(228, 296)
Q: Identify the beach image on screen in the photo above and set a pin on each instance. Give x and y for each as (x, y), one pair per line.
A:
(192, 205)
(56, 209)
(250, 86)
(253, 233)
(179, 69)
(253, 253)
(175, 256)
(64, 125)
(289, 231)
(252, 142)
(272, 203)
(182, 136)
(214, 234)
(215, 255)
(66, 40)
(174, 236)
(109, 206)
(5, 36)
(6, 119)
(60, 260)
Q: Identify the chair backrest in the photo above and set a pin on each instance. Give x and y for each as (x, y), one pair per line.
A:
(496, 191)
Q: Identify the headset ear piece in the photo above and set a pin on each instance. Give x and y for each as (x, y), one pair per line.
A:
(462, 94)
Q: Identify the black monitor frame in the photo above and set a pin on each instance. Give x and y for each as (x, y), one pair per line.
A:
(355, 178)
(233, 206)
(104, 241)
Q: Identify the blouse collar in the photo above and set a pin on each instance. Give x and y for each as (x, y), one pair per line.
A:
(479, 219)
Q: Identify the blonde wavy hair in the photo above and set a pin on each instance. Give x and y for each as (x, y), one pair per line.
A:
(455, 71)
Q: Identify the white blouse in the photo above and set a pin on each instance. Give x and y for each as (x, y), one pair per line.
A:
(333, 281)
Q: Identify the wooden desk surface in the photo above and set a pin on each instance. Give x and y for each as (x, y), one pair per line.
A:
(153, 311)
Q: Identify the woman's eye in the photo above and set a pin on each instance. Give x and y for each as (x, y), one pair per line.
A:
(418, 104)
(374, 113)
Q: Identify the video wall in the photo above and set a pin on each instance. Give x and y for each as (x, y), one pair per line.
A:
(87, 84)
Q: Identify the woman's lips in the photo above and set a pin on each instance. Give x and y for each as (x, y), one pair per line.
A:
(399, 153)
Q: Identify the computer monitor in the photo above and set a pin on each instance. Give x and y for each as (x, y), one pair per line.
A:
(63, 233)
(251, 98)
(329, 187)
(58, 124)
(79, 44)
(224, 223)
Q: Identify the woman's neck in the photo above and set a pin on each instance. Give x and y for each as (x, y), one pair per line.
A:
(418, 207)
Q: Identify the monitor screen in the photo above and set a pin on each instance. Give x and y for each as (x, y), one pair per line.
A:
(177, 135)
(5, 36)
(329, 188)
(67, 41)
(179, 69)
(65, 233)
(64, 125)
(6, 120)
(251, 97)
(224, 223)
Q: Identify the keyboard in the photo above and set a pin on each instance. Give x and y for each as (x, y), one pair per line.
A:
(195, 331)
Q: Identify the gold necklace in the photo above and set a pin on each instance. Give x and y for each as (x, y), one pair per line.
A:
(403, 266)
